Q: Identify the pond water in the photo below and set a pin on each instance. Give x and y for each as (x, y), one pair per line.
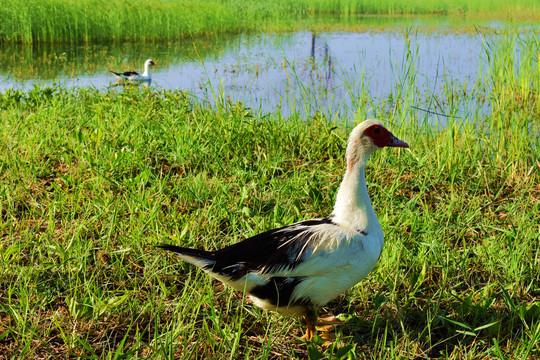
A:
(327, 71)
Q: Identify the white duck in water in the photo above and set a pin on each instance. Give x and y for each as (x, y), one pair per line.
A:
(134, 76)
(297, 269)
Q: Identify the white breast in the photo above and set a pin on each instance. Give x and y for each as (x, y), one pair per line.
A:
(332, 272)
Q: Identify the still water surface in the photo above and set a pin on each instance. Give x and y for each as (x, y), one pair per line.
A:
(305, 71)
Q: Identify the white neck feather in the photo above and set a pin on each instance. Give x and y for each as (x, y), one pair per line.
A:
(353, 207)
(146, 72)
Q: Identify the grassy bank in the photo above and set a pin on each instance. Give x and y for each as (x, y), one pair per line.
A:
(91, 21)
(92, 181)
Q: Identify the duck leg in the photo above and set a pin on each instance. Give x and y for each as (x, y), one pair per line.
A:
(311, 321)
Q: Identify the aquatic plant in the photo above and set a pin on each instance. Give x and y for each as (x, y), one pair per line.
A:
(35, 21)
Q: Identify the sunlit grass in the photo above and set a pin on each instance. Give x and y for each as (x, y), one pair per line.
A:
(93, 21)
(92, 180)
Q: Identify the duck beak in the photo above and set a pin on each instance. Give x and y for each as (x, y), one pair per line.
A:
(395, 142)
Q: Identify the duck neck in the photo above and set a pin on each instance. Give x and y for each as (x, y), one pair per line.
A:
(146, 72)
(353, 207)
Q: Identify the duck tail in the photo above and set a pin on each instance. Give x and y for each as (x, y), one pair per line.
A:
(200, 258)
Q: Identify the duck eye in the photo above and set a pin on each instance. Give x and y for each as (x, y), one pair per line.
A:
(377, 130)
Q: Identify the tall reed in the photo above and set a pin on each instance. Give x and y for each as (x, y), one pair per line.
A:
(35, 21)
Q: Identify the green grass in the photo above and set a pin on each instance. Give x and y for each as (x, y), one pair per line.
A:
(91, 181)
(94, 21)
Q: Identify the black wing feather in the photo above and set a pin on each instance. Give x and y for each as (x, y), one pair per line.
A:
(278, 291)
(130, 73)
(126, 74)
(262, 252)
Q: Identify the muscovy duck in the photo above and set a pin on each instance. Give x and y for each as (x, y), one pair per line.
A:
(297, 269)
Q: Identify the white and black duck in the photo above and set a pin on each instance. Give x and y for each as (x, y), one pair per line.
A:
(134, 76)
(297, 269)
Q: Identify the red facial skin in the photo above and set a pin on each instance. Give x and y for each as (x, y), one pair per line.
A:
(382, 137)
